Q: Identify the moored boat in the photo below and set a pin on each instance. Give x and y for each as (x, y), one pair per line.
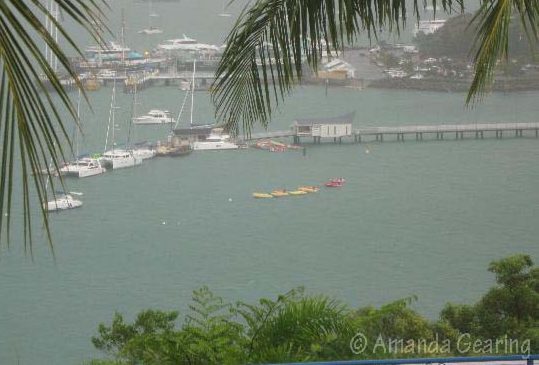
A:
(83, 167)
(62, 202)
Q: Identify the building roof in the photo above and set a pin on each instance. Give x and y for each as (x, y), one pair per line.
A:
(343, 119)
(338, 65)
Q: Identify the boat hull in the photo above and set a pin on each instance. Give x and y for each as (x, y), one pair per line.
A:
(214, 146)
(63, 204)
(152, 121)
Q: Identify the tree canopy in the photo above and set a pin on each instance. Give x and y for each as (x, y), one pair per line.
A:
(297, 326)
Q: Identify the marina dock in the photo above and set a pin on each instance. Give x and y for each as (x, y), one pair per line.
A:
(416, 132)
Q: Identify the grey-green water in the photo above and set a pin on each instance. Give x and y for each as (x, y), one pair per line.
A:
(415, 218)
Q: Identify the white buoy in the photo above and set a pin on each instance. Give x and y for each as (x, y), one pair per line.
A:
(229, 199)
(164, 222)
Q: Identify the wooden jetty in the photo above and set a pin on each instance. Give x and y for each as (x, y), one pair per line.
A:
(417, 132)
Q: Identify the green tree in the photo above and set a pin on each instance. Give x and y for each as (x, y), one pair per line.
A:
(511, 308)
(296, 327)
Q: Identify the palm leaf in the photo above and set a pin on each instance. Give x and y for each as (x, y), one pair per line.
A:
(272, 38)
(31, 128)
(492, 40)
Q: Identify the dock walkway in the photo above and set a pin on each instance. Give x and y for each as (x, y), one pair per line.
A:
(476, 130)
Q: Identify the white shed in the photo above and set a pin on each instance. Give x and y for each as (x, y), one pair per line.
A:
(335, 127)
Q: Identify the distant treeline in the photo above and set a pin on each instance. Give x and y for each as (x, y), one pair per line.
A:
(297, 327)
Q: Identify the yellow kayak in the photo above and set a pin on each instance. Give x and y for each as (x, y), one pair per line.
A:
(297, 192)
(262, 195)
(309, 189)
(279, 193)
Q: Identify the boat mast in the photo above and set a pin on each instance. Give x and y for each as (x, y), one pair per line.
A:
(193, 90)
(111, 117)
(79, 126)
(123, 37)
(50, 24)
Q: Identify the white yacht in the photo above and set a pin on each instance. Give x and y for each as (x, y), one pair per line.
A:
(83, 167)
(62, 202)
(118, 159)
(154, 116)
(215, 141)
(186, 44)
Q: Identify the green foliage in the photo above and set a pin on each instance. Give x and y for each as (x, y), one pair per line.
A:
(297, 327)
(456, 40)
(511, 308)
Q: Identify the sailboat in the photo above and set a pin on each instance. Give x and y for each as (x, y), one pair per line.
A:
(142, 151)
(116, 158)
(151, 29)
(224, 13)
(62, 200)
(81, 167)
(216, 140)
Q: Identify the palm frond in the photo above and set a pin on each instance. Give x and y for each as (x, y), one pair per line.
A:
(492, 40)
(272, 38)
(30, 120)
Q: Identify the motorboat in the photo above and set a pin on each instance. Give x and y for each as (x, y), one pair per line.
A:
(83, 167)
(309, 188)
(335, 183)
(186, 44)
(262, 195)
(62, 202)
(215, 141)
(279, 193)
(154, 116)
(118, 159)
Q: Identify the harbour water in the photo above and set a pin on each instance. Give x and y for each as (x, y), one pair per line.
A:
(415, 218)
(421, 218)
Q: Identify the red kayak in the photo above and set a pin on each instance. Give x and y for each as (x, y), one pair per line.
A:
(335, 183)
